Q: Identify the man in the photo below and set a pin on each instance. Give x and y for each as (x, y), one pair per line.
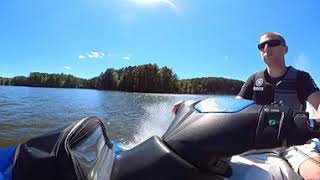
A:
(284, 85)
(279, 83)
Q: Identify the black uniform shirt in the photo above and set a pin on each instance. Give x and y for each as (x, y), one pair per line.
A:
(306, 86)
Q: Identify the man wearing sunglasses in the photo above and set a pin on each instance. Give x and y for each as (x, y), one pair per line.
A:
(281, 84)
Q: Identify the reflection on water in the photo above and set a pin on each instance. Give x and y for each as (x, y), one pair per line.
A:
(130, 117)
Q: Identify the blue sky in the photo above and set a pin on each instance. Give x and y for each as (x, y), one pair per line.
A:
(196, 38)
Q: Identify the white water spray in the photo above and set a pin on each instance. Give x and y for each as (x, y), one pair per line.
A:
(155, 121)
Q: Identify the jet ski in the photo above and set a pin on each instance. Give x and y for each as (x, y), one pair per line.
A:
(202, 143)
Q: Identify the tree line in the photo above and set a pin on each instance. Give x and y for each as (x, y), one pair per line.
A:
(37, 79)
(148, 78)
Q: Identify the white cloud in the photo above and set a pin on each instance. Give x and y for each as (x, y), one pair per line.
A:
(67, 67)
(95, 54)
(82, 57)
(127, 57)
(302, 62)
(92, 55)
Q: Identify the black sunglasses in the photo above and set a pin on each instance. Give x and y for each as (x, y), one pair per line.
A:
(271, 43)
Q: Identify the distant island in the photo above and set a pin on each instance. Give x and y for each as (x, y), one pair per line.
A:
(147, 78)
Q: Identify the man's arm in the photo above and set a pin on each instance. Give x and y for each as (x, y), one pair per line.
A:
(314, 100)
(246, 91)
(308, 90)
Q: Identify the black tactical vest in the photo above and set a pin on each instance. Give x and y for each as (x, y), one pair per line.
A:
(285, 91)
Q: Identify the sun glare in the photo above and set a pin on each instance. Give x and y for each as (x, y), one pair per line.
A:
(168, 2)
(147, 1)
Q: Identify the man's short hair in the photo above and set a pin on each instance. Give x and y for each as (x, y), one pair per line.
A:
(275, 34)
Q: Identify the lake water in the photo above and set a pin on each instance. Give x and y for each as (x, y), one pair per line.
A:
(131, 118)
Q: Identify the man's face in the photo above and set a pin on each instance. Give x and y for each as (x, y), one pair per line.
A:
(272, 53)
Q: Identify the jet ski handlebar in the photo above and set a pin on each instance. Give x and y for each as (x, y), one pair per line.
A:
(202, 135)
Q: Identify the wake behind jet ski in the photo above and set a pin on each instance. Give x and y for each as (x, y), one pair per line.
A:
(202, 135)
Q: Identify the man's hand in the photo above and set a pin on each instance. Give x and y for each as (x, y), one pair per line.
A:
(304, 159)
(176, 106)
(309, 170)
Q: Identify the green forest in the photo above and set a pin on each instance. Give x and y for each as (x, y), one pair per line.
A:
(147, 78)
